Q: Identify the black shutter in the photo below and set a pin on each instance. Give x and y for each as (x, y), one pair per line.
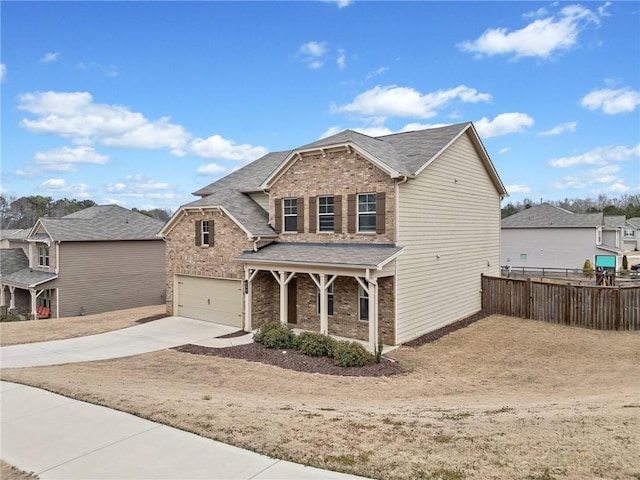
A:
(198, 233)
(337, 214)
(300, 215)
(278, 215)
(313, 211)
(380, 212)
(351, 213)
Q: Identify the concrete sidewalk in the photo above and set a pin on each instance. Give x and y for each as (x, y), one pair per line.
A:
(56, 437)
(160, 334)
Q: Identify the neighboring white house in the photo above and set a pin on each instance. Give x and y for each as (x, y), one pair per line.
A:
(552, 237)
(631, 234)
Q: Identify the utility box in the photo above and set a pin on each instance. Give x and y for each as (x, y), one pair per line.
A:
(605, 270)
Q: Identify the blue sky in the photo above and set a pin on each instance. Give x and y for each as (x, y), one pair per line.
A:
(141, 104)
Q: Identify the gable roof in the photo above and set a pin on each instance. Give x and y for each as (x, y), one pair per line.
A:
(634, 222)
(14, 234)
(98, 223)
(399, 155)
(547, 215)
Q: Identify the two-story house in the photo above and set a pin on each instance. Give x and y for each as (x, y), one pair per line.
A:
(368, 238)
(99, 259)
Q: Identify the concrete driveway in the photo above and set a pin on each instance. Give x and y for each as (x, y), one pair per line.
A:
(160, 334)
(61, 438)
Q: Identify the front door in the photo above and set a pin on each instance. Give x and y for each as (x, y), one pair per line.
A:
(292, 311)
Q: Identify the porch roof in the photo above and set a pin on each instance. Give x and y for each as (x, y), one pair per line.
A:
(373, 256)
(28, 278)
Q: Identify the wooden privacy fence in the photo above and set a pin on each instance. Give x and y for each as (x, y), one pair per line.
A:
(602, 308)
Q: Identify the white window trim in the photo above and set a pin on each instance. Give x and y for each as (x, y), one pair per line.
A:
(329, 302)
(332, 214)
(358, 213)
(362, 295)
(205, 233)
(44, 260)
(285, 214)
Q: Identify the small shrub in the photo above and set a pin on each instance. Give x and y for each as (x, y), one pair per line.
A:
(275, 335)
(625, 263)
(350, 354)
(10, 317)
(587, 269)
(314, 344)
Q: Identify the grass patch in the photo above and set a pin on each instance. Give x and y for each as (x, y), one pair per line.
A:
(456, 416)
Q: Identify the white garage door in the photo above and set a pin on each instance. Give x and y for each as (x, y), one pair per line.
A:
(212, 299)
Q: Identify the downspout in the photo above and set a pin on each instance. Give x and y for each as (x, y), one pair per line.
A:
(255, 244)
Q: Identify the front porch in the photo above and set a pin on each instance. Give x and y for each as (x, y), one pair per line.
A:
(336, 289)
(24, 291)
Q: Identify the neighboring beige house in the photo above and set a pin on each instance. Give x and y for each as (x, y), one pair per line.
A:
(14, 238)
(546, 236)
(98, 259)
(631, 234)
(366, 238)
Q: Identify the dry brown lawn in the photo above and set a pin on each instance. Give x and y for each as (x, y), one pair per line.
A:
(12, 333)
(504, 398)
(9, 472)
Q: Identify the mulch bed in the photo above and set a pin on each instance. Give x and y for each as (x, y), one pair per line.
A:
(152, 318)
(255, 352)
(446, 330)
(292, 360)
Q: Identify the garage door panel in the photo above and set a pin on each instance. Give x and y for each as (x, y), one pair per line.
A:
(210, 299)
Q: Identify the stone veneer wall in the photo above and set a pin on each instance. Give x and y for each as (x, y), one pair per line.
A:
(339, 173)
(185, 258)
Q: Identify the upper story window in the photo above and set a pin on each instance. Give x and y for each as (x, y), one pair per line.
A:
(43, 256)
(367, 212)
(326, 219)
(290, 213)
(204, 232)
(629, 233)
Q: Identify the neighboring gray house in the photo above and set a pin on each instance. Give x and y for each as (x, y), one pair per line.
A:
(362, 237)
(98, 259)
(552, 237)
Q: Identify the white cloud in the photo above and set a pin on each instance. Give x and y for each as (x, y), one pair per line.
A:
(313, 52)
(612, 101)
(381, 130)
(504, 150)
(587, 178)
(391, 100)
(74, 115)
(66, 159)
(216, 146)
(141, 186)
(560, 129)
(60, 185)
(376, 72)
(3, 72)
(503, 124)
(50, 57)
(341, 3)
(519, 188)
(542, 38)
(598, 156)
(107, 70)
(342, 58)
(210, 169)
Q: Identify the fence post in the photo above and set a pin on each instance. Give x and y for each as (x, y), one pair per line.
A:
(618, 320)
(530, 299)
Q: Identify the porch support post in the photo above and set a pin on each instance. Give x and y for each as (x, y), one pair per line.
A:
(2, 299)
(372, 283)
(12, 297)
(34, 296)
(249, 275)
(283, 280)
(323, 283)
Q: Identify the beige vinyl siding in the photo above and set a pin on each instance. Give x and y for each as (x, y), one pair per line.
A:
(103, 276)
(449, 224)
(261, 199)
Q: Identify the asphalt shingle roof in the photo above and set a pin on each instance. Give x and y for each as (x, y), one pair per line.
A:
(14, 234)
(26, 278)
(12, 260)
(404, 153)
(546, 215)
(348, 255)
(634, 222)
(103, 222)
